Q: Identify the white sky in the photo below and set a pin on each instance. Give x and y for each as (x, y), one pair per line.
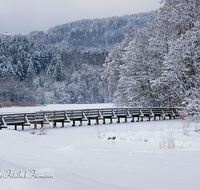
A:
(23, 16)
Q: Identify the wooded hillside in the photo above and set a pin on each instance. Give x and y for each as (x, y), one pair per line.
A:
(64, 64)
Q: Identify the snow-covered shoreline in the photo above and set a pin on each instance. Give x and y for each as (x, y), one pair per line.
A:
(83, 157)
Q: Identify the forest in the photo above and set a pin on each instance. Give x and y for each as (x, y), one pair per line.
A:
(159, 65)
(64, 64)
(146, 59)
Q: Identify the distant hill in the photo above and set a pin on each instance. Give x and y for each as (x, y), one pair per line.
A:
(98, 33)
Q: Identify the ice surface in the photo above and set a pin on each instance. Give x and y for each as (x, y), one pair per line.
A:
(53, 107)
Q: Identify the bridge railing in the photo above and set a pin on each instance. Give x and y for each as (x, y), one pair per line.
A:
(44, 117)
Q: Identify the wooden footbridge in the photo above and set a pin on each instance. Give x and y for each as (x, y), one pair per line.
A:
(68, 116)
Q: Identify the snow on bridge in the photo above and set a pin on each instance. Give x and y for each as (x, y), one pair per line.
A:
(86, 115)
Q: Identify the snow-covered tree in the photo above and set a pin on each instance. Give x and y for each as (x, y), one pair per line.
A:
(157, 66)
(172, 21)
(182, 67)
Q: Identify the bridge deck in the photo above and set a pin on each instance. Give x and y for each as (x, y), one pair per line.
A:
(26, 119)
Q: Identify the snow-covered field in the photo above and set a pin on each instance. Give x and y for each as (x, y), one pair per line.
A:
(156, 155)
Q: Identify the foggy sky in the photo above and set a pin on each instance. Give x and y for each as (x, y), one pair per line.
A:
(24, 16)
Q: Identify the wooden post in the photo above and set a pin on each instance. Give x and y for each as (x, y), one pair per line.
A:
(16, 127)
(54, 124)
(104, 121)
(125, 119)
(81, 122)
(89, 121)
(35, 125)
(63, 124)
(97, 121)
(132, 119)
(42, 124)
(22, 127)
(118, 120)
(73, 123)
(110, 120)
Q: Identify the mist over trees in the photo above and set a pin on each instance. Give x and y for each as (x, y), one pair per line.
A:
(159, 65)
(64, 64)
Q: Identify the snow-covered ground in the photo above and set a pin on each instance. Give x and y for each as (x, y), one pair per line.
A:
(156, 155)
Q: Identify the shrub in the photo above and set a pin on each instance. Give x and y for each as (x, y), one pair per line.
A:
(24, 104)
(7, 104)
